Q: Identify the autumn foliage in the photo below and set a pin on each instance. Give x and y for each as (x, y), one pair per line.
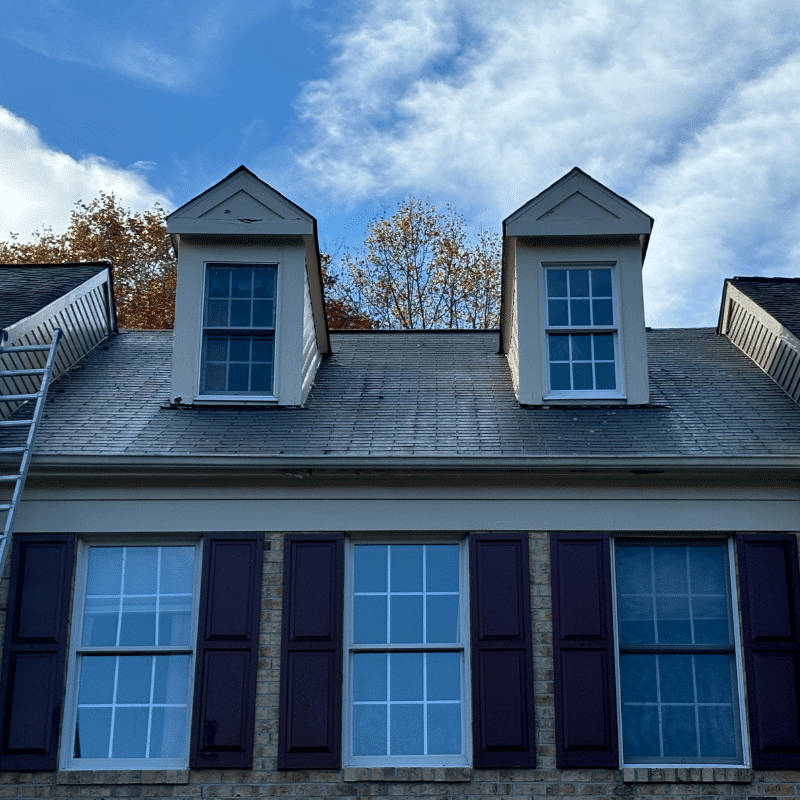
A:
(418, 268)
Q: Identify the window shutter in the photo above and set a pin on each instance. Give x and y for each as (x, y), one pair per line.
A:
(34, 652)
(769, 588)
(583, 652)
(311, 652)
(502, 661)
(227, 651)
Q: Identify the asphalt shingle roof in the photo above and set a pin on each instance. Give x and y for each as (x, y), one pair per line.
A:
(28, 288)
(779, 297)
(422, 394)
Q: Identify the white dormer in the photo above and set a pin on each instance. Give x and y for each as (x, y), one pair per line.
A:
(250, 322)
(572, 317)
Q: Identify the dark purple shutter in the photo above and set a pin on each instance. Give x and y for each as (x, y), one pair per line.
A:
(583, 652)
(34, 652)
(502, 660)
(227, 651)
(769, 589)
(311, 652)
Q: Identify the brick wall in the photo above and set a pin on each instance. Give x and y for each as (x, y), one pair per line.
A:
(264, 781)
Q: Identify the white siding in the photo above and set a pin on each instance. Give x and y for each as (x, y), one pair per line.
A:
(311, 355)
(86, 319)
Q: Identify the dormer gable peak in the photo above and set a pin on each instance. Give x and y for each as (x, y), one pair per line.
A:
(577, 205)
(241, 203)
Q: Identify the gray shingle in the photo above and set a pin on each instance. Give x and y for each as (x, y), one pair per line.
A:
(422, 394)
(779, 297)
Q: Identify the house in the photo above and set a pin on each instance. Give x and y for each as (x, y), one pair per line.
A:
(260, 558)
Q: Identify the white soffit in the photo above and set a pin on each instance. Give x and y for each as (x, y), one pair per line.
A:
(577, 205)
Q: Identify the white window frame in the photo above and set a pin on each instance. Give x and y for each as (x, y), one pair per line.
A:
(240, 396)
(77, 650)
(737, 653)
(463, 646)
(615, 328)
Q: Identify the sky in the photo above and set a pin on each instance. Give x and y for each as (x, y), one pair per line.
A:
(690, 109)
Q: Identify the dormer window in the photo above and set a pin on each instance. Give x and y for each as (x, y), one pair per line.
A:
(239, 330)
(581, 332)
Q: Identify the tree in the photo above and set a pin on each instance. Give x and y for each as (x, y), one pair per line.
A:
(420, 269)
(136, 244)
(341, 313)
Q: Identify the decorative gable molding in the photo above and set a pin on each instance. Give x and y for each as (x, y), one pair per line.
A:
(242, 221)
(578, 225)
(760, 336)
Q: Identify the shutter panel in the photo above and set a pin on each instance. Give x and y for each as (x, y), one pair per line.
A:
(583, 652)
(311, 652)
(227, 652)
(502, 660)
(769, 588)
(34, 652)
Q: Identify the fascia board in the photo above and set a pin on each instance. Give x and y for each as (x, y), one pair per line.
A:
(227, 465)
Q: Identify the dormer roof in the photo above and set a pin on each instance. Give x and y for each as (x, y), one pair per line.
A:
(577, 205)
(240, 204)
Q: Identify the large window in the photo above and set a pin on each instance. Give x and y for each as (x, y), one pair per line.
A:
(581, 330)
(132, 658)
(239, 330)
(677, 644)
(406, 658)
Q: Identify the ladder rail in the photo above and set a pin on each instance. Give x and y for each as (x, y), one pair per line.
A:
(26, 450)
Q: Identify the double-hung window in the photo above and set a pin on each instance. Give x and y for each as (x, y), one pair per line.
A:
(239, 330)
(132, 658)
(677, 653)
(581, 330)
(406, 655)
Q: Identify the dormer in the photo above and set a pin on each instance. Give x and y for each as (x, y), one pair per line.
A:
(572, 316)
(250, 324)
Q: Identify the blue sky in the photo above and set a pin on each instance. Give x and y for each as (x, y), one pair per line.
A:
(690, 109)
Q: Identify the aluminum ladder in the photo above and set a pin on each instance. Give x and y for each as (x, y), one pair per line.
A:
(20, 428)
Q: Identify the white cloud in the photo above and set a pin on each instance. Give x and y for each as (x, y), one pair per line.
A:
(40, 185)
(484, 104)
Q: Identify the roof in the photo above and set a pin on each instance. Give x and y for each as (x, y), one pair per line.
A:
(421, 395)
(779, 297)
(28, 288)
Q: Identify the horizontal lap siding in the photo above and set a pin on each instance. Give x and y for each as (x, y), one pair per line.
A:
(311, 356)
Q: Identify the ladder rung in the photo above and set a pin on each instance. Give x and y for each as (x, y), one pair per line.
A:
(16, 373)
(14, 422)
(14, 398)
(24, 348)
(9, 478)
(5, 506)
(20, 449)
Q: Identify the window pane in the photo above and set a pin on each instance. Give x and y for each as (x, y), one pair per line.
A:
(441, 567)
(673, 625)
(560, 377)
(130, 733)
(406, 568)
(603, 346)
(443, 676)
(369, 730)
(406, 623)
(579, 312)
(582, 377)
(171, 680)
(557, 312)
(370, 568)
(406, 729)
(638, 679)
(601, 283)
(168, 733)
(264, 283)
(604, 376)
(242, 283)
(134, 679)
(444, 728)
(92, 733)
(138, 623)
(369, 619)
(676, 678)
(100, 621)
(219, 282)
(406, 672)
(581, 346)
(442, 618)
(217, 313)
(104, 575)
(641, 732)
(718, 732)
(578, 282)
(556, 283)
(177, 569)
(602, 313)
(97, 680)
(369, 676)
(559, 347)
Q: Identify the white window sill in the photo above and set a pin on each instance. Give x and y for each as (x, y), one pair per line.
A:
(687, 775)
(235, 400)
(408, 774)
